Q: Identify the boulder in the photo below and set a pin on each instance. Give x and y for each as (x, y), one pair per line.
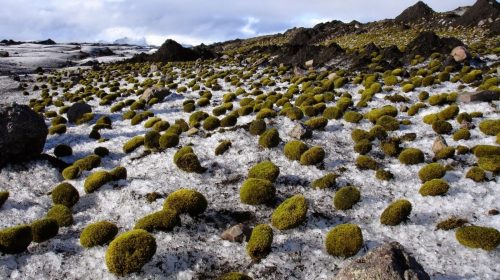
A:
(22, 133)
(439, 144)
(388, 262)
(309, 63)
(77, 110)
(236, 233)
(301, 132)
(4, 54)
(154, 92)
(479, 96)
(415, 13)
(460, 54)
(428, 42)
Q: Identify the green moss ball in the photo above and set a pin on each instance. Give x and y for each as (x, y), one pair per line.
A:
(234, 276)
(119, 173)
(360, 134)
(132, 144)
(411, 156)
(62, 214)
(65, 194)
(388, 122)
(317, 122)
(130, 251)
(152, 140)
(344, 240)
(270, 138)
(431, 171)
(490, 127)
(485, 238)
(71, 172)
(434, 187)
(291, 213)
(442, 127)
(257, 191)
(489, 163)
(63, 150)
(15, 240)
(189, 162)
(96, 180)
(168, 140)
(44, 229)
(312, 156)
(486, 150)
(259, 244)
(352, 117)
(211, 123)
(163, 220)
(397, 212)
(363, 147)
(461, 134)
(327, 181)
(229, 120)
(89, 162)
(98, 234)
(264, 170)
(365, 162)
(187, 201)
(223, 147)
(346, 198)
(384, 175)
(476, 174)
(257, 127)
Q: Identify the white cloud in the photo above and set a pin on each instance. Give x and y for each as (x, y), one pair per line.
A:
(248, 29)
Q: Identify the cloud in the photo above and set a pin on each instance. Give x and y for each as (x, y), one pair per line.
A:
(188, 21)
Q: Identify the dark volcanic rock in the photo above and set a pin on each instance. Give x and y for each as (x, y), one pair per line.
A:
(481, 10)
(299, 54)
(77, 110)
(428, 42)
(172, 51)
(4, 54)
(22, 133)
(388, 262)
(415, 13)
(46, 42)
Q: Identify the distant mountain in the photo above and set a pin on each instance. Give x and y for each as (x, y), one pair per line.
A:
(131, 41)
(170, 51)
(482, 10)
(415, 13)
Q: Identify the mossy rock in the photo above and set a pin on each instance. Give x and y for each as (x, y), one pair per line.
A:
(490, 127)
(168, 140)
(152, 140)
(365, 162)
(264, 170)
(211, 123)
(89, 162)
(65, 194)
(451, 223)
(290, 213)
(317, 122)
(234, 276)
(434, 187)
(388, 123)
(228, 121)
(163, 220)
(187, 201)
(327, 181)
(294, 149)
(57, 129)
(15, 240)
(257, 191)
(397, 212)
(270, 138)
(411, 156)
(63, 150)
(223, 147)
(378, 132)
(346, 197)
(486, 150)
(132, 144)
(257, 127)
(445, 153)
(44, 229)
(476, 174)
(442, 127)
(490, 163)
(461, 134)
(259, 244)
(98, 234)
(130, 251)
(85, 118)
(96, 180)
(485, 238)
(384, 175)
(62, 214)
(313, 156)
(431, 171)
(363, 147)
(118, 173)
(352, 117)
(344, 240)
(71, 172)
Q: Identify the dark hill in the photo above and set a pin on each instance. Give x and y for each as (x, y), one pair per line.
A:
(415, 13)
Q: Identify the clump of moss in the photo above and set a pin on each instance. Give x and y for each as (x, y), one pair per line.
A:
(96, 180)
(257, 127)
(89, 162)
(229, 120)
(264, 170)
(447, 152)
(461, 134)
(434, 187)
(265, 113)
(44, 229)
(65, 194)
(186, 160)
(411, 156)
(222, 147)
(257, 191)
(388, 123)
(14, 240)
(163, 220)
(490, 127)
(346, 197)
(485, 238)
(352, 117)
(486, 150)
(294, 149)
(442, 127)
(234, 276)
(57, 129)
(168, 140)
(360, 134)
(431, 171)
(62, 214)
(85, 118)
(366, 162)
(130, 251)
(119, 173)
(312, 156)
(333, 113)
(489, 163)
(451, 223)
(384, 175)
(291, 213)
(476, 174)
(4, 195)
(97, 234)
(211, 123)
(327, 181)
(259, 244)
(448, 113)
(344, 240)
(63, 150)
(152, 140)
(387, 110)
(397, 212)
(270, 138)
(317, 122)
(71, 172)
(187, 201)
(133, 144)
(363, 147)
(101, 151)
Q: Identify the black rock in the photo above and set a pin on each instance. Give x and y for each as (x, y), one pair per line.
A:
(22, 134)
(428, 42)
(46, 42)
(77, 110)
(172, 51)
(415, 13)
(481, 10)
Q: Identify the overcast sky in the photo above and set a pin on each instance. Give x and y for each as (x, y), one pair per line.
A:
(187, 21)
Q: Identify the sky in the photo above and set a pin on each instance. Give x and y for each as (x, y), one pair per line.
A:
(186, 21)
